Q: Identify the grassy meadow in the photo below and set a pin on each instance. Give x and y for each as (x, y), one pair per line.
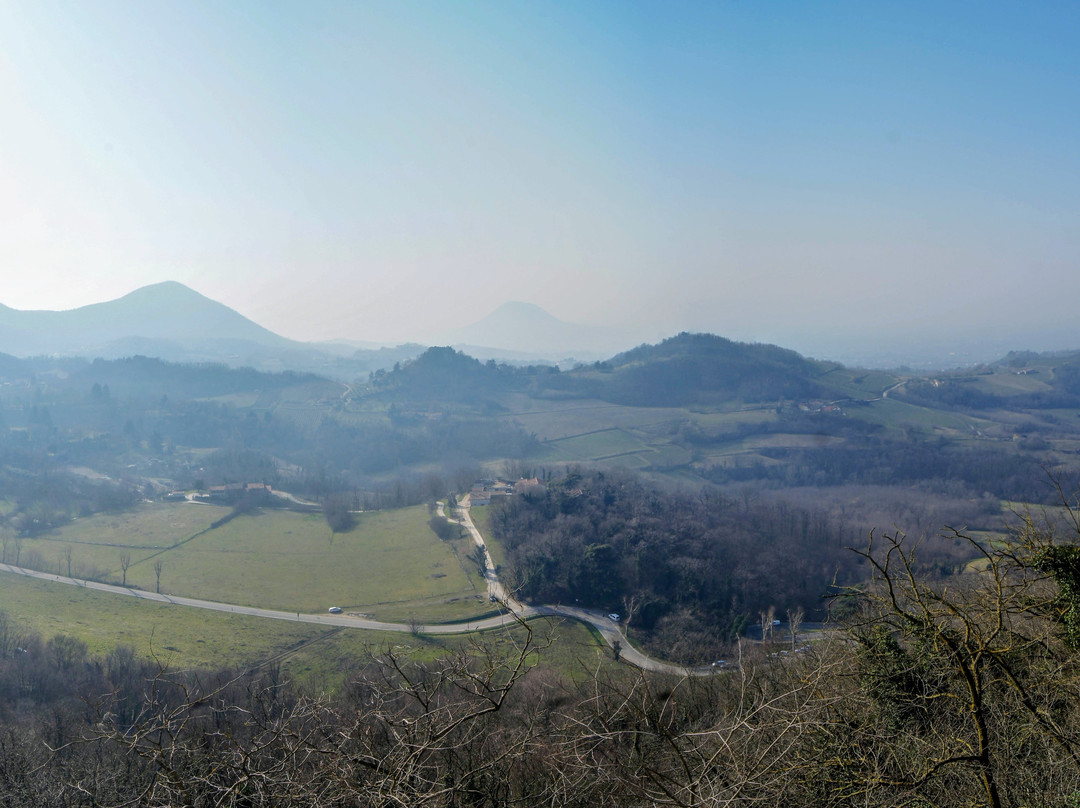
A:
(178, 636)
(181, 637)
(391, 565)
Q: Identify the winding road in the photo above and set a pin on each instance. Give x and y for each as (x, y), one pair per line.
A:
(608, 628)
(515, 610)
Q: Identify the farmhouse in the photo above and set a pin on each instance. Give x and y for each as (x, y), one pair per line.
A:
(232, 492)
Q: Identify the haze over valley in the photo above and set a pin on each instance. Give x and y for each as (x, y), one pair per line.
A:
(171, 321)
(703, 506)
(539, 406)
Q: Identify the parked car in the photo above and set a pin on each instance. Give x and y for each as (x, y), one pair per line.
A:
(335, 610)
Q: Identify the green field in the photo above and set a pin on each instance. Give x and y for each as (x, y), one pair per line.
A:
(897, 414)
(242, 400)
(391, 565)
(617, 447)
(633, 437)
(565, 646)
(782, 440)
(180, 636)
(481, 516)
(649, 438)
(596, 445)
(728, 421)
(1004, 382)
(552, 421)
(185, 638)
(862, 383)
(150, 526)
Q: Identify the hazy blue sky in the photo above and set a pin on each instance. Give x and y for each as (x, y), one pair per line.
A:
(786, 172)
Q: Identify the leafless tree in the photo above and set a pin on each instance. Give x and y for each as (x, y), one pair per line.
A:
(159, 565)
(723, 740)
(795, 617)
(749, 495)
(962, 678)
(125, 562)
(630, 606)
(414, 734)
(11, 635)
(479, 555)
(767, 618)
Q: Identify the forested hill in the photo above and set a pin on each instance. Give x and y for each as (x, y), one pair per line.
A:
(703, 368)
(444, 375)
(685, 369)
(712, 347)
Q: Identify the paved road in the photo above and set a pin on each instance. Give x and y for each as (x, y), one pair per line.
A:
(607, 627)
(494, 588)
(897, 386)
(516, 610)
(293, 617)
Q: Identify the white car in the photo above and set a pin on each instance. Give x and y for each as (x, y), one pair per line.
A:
(335, 610)
(613, 616)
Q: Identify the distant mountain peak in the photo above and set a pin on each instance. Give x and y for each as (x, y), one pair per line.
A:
(532, 331)
(161, 312)
(168, 293)
(163, 289)
(517, 308)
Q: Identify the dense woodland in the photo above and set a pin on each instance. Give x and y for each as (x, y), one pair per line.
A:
(688, 572)
(936, 467)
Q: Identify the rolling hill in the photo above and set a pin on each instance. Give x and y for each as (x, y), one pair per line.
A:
(705, 368)
(684, 369)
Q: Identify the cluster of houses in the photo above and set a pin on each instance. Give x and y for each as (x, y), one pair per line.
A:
(819, 407)
(483, 490)
(233, 492)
